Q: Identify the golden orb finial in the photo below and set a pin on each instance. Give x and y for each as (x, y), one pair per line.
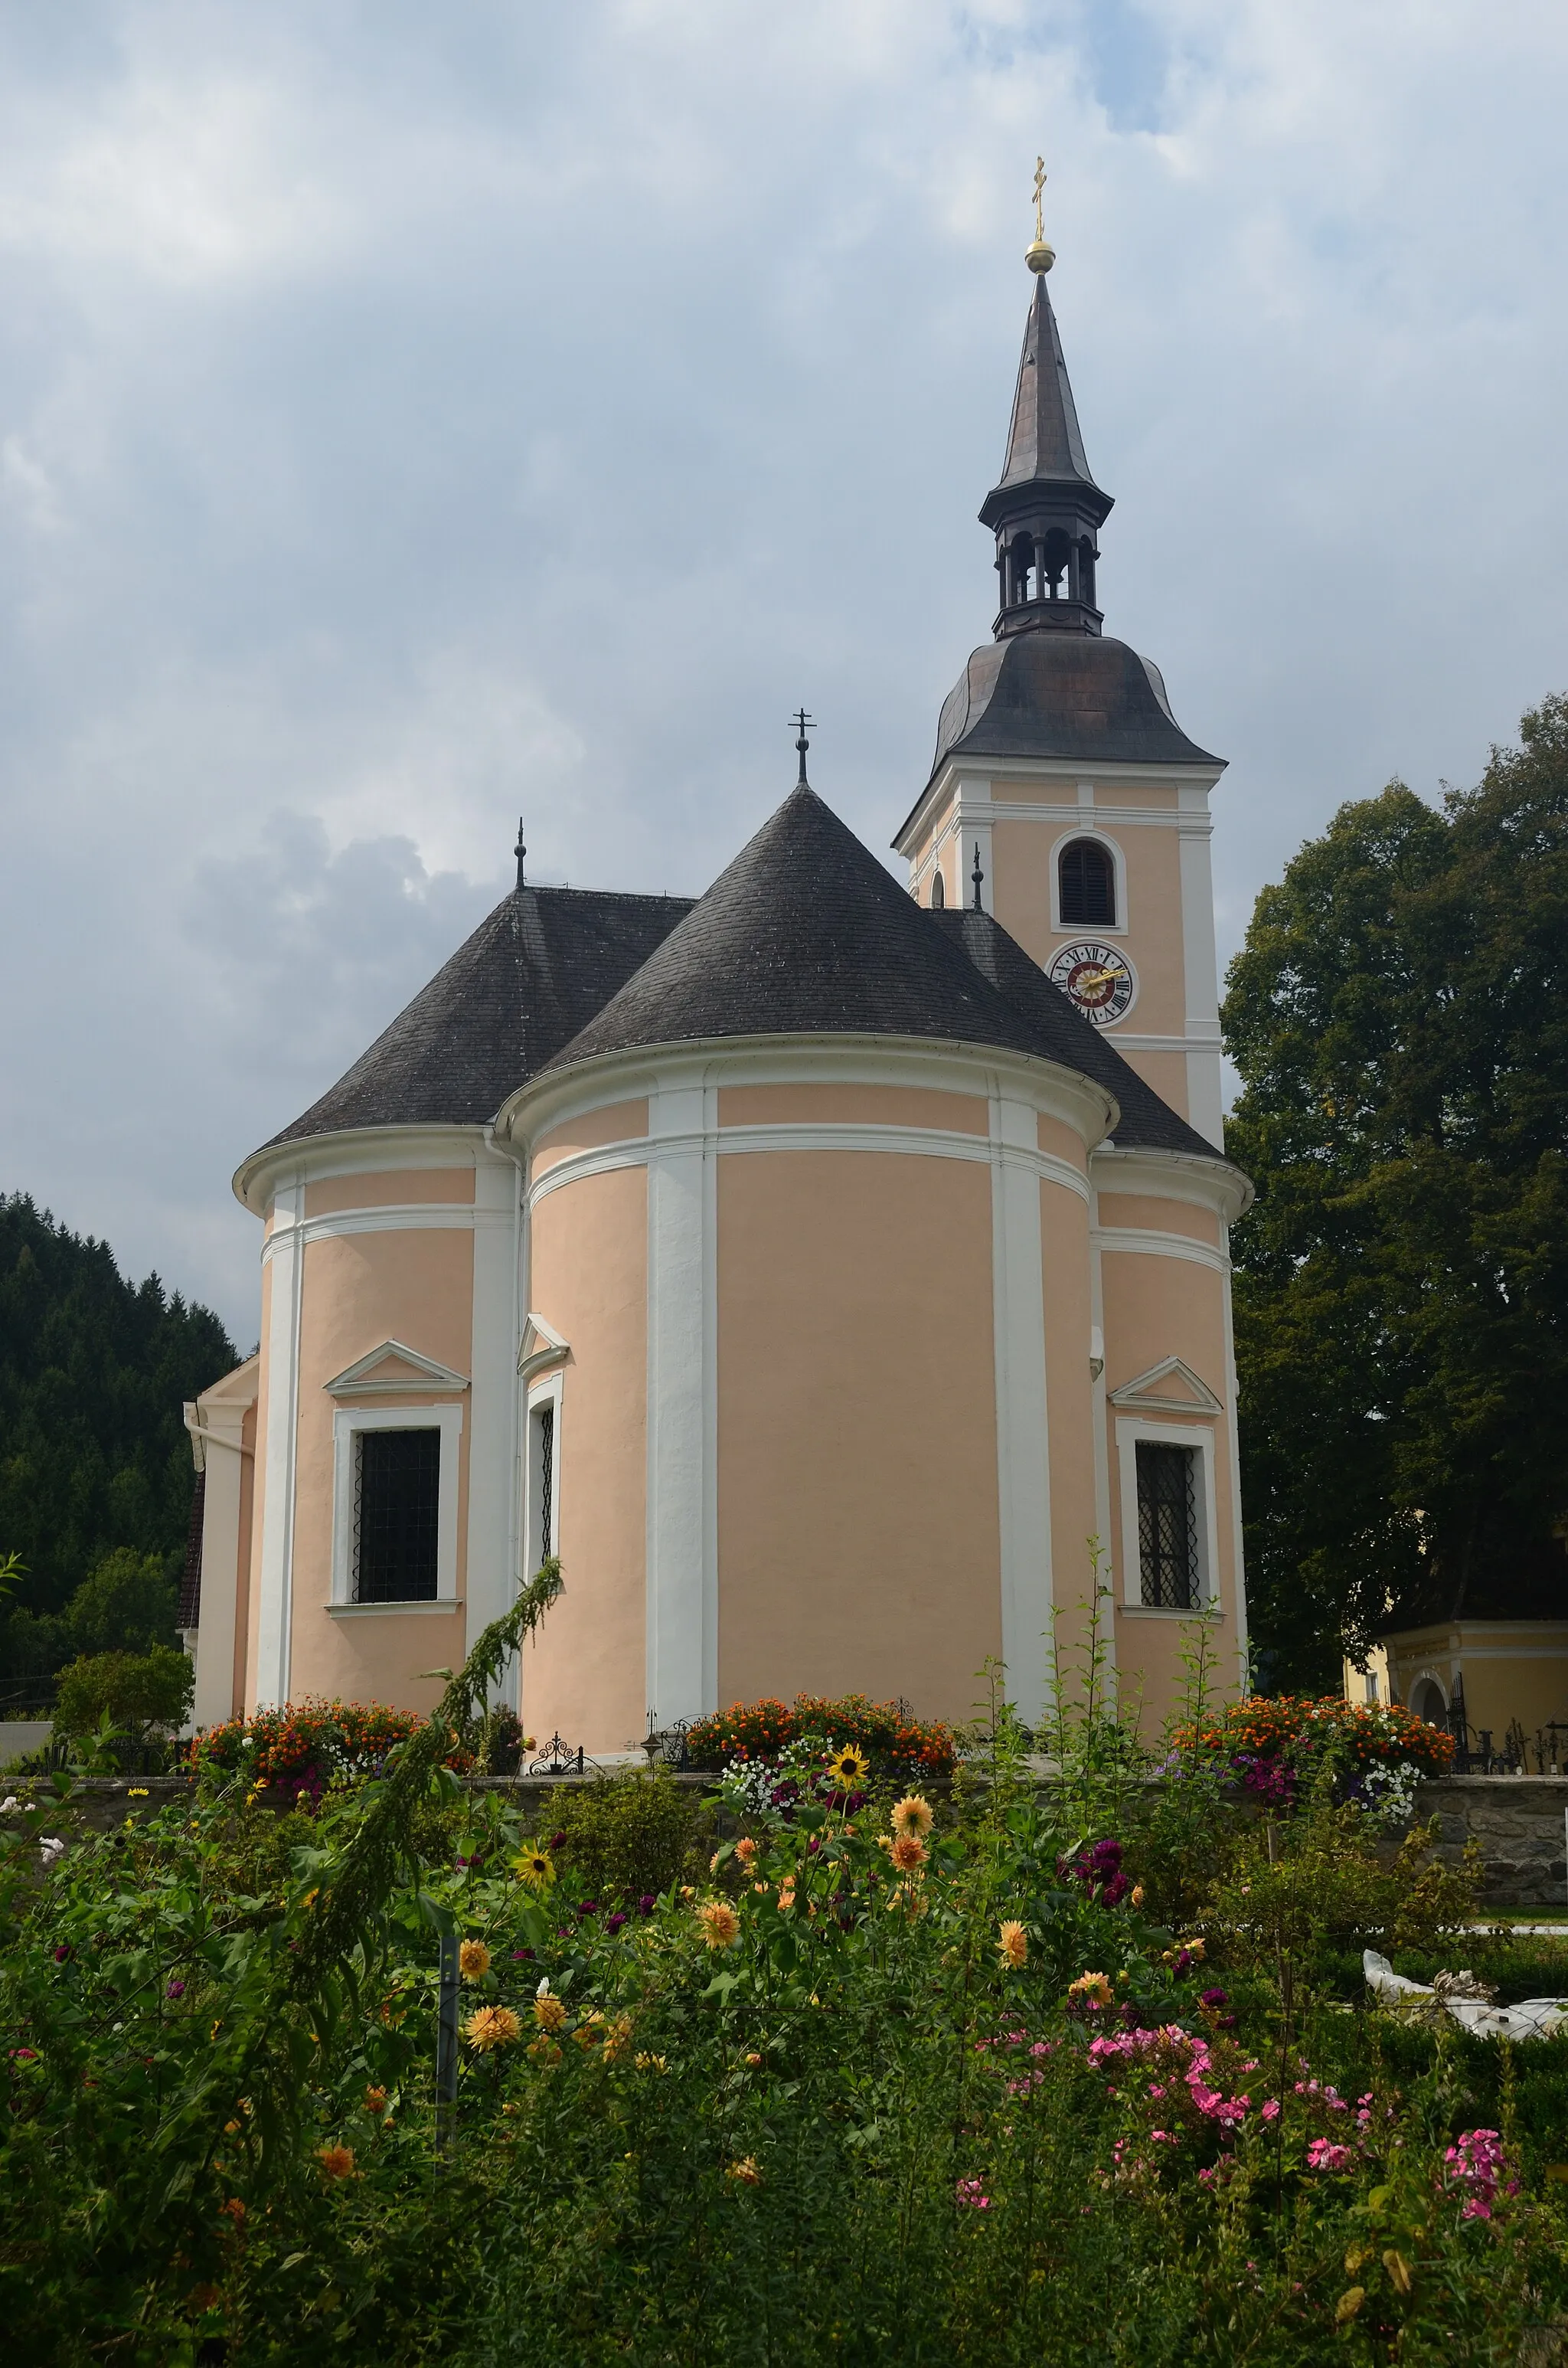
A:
(1041, 255)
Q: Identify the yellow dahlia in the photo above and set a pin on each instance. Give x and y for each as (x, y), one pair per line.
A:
(474, 1961)
(912, 1815)
(491, 2026)
(1013, 1945)
(548, 2012)
(1090, 1987)
(721, 1924)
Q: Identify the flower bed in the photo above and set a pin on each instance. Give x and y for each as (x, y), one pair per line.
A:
(1273, 1744)
(306, 1748)
(895, 1744)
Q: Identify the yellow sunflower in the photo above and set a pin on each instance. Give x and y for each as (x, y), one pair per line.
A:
(849, 1764)
(535, 1867)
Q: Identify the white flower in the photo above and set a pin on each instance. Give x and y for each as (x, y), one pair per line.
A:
(544, 1989)
(51, 1848)
(8, 1804)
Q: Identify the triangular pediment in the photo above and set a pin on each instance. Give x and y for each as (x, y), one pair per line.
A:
(395, 1368)
(541, 1346)
(1169, 1387)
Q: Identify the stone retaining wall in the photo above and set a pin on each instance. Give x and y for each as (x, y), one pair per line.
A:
(1519, 1824)
(1517, 1820)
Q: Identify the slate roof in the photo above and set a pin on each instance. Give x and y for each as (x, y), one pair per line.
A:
(1077, 696)
(805, 933)
(525, 983)
(1045, 443)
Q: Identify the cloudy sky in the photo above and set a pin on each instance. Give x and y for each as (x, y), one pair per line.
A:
(410, 416)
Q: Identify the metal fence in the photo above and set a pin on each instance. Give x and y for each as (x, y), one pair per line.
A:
(1478, 1751)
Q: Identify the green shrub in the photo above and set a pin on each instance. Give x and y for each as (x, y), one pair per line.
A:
(133, 1690)
(125, 1605)
(623, 1837)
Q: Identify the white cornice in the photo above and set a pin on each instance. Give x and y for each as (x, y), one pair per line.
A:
(964, 775)
(977, 1070)
(1212, 1183)
(917, 1142)
(386, 1217)
(358, 1151)
(424, 1374)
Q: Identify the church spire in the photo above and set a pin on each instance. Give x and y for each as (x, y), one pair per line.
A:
(1046, 509)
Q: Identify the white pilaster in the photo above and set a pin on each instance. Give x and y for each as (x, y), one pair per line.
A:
(974, 836)
(491, 1575)
(1022, 1450)
(682, 1575)
(218, 1437)
(1200, 966)
(275, 1579)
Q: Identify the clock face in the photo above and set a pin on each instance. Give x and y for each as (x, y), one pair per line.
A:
(1096, 978)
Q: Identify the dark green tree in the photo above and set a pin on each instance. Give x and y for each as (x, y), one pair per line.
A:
(1399, 1015)
(94, 1457)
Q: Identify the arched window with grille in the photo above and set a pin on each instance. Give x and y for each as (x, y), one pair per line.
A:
(1086, 884)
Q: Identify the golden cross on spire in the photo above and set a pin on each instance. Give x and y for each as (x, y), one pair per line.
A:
(1041, 255)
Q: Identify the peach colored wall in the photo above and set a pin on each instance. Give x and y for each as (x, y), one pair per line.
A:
(1054, 1134)
(242, 1565)
(1021, 876)
(1166, 1072)
(1134, 793)
(1155, 1307)
(858, 1507)
(853, 1106)
(1140, 1210)
(616, 1122)
(1069, 1400)
(586, 1674)
(400, 1189)
(358, 1290)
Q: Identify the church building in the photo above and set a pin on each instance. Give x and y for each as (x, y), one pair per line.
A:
(833, 1272)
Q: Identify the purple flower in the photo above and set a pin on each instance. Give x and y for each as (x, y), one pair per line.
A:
(1215, 1998)
(613, 1923)
(522, 1952)
(62, 1953)
(588, 1908)
(647, 1904)
(557, 1841)
(175, 1988)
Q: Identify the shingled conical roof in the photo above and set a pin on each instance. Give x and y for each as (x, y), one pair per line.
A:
(522, 985)
(805, 934)
(1045, 442)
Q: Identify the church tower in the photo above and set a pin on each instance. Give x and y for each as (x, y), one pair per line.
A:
(1064, 796)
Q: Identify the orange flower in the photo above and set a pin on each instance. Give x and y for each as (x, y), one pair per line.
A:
(474, 1961)
(907, 1853)
(786, 1892)
(721, 1924)
(548, 2012)
(236, 2210)
(1095, 1986)
(490, 2026)
(618, 2038)
(912, 1815)
(745, 1849)
(745, 2172)
(336, 2161)
(1013, 1944)
(375, 2100)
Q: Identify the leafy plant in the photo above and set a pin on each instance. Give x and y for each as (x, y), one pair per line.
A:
(130, 1690)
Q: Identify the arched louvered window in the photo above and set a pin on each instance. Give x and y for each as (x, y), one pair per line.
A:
(1087, 882)
(938, 891)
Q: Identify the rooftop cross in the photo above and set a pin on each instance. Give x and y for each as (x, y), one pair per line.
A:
(1039, 254)
(519, 850)
(802, 724)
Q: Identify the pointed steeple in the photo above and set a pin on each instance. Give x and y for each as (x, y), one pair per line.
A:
(1046, 510)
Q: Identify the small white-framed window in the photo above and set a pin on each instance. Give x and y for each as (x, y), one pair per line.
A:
(543, 1474)
(1168, 1516)
(1088, 884)
(394, 1530)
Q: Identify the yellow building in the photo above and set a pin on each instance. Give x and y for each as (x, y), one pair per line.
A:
(816, 1267)
(1477, 1678)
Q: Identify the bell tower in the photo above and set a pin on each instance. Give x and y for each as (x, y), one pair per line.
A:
(1064, 798)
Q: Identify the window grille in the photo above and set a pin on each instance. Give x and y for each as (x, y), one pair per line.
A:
(397, 1487)
(1087, 882)
(1167, 1525)
(546, 1481)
